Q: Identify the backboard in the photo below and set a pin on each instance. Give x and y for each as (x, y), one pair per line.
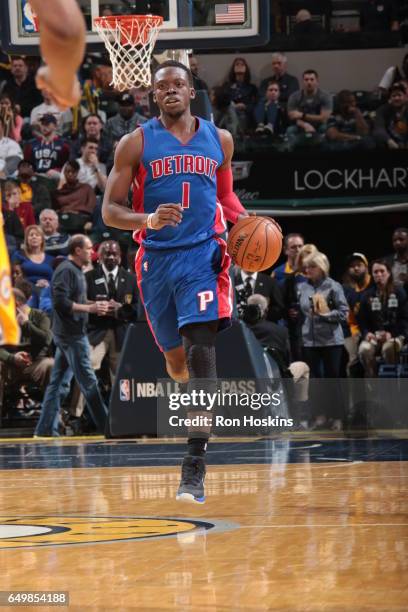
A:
(195, 24)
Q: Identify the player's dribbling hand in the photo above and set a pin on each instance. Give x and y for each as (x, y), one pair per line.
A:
(167, 214)
(251, 213)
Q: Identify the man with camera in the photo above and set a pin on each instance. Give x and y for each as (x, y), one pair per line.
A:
(247, 283)
(275, 338)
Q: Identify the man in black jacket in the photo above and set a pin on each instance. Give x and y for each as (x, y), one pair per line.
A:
(70, 318)
(109, 281)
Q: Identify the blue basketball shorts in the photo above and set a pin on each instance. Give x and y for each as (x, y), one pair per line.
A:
(186, 285)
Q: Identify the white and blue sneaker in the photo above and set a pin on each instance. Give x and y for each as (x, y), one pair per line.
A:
(191, 487)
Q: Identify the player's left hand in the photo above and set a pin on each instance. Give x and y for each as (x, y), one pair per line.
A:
(63, 99)
(167, 214)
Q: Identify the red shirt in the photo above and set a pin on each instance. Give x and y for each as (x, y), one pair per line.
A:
(25, 213)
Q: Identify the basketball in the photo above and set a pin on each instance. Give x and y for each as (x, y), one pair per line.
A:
(255, 243)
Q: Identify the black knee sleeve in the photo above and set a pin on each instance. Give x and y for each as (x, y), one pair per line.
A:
(199, 346)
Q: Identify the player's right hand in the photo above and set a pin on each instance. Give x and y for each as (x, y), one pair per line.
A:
(167, 214)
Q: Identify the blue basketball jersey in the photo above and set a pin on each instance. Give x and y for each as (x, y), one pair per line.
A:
(184, 174)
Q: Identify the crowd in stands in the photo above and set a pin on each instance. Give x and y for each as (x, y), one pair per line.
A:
(53, 171)
(287, 113)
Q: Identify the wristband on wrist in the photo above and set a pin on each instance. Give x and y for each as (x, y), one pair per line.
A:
(149, 221)
(303, 116)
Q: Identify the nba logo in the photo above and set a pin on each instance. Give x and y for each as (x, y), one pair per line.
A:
(124, 390)
(30, 21)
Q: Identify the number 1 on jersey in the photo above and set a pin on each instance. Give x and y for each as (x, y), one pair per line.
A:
(185, 199)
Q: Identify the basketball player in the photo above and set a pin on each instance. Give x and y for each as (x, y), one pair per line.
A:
(182, 167)
(62, 36)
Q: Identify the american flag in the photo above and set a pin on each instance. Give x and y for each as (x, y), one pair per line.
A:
(230, 13)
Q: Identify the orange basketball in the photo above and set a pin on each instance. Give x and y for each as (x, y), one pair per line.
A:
(255, 243)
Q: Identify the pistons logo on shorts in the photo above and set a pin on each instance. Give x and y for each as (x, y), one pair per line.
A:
(124, 390)
(204, 298)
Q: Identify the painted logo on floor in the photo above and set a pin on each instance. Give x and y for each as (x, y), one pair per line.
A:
(34, 531)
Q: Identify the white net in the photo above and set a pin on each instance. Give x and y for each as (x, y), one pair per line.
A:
(129, 41)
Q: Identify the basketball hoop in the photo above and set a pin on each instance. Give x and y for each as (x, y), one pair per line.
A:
(130, 40)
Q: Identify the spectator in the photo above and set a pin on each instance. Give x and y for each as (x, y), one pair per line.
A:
(47, 107)
(383, 319)
(24, 210)
(70, 317)
(37, 266)
(225, 115)
(391, 121)
(92, 127)
(309, 108)
(56, 244)
(33, 189)
(247, 283)
(10, 153)
(292, 244)
(324, 309)
(13, 230)
(198, 83)
(399, 259)
(125, 121)
(288, 83)
(243, 93)
(379, 15)
(394, 75)
(74, 201)
(36, 298)
(347, 129)
(289, 275)
(91, 171)
(48, 153)
(98, 93)
(270, 117)
(34, 363)
(305, 28)
(21, 87)
(13, 121)
(356, 282)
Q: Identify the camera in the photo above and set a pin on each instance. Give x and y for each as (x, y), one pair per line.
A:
(249, 313)
(252, 314)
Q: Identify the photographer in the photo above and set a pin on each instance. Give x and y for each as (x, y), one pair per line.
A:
(383, 319)
(275, 338)
(247, 283)
(254, 314)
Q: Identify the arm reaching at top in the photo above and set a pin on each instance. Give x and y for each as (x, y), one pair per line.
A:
(62, 36)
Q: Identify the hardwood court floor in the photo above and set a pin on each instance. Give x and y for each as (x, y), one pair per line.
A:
(299, 525)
